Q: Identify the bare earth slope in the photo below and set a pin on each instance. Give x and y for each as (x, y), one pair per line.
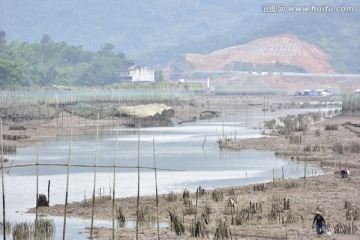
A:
(287, 49)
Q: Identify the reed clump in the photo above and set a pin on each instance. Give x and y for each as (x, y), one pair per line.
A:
(217, 195)
(222, 231)
(7, 228)
(145, 215)
(176, 224)
(42, 201)
(340, 148)
(171, 197)
(42, 228)
(98, 200)
(345, 228)
(259, 187)
(198, 229)
(200, 191)
(250, 213)
(281, 212)
(45, 228)
(23, 230)
(120, 215)
(352, 212)
(331, 127)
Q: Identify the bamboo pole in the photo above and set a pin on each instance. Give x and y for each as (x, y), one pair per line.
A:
(138, 187)
(156, 192)
(37, 180)
(49, 192)
(93, 195)
(67, 180)
(196, 203)
(203, 143)
(89, 166)
(113, 197)
(2, 178)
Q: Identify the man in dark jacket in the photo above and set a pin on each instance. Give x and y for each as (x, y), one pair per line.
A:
(320, 223)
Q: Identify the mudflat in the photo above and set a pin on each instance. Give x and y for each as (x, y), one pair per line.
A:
(281, 209)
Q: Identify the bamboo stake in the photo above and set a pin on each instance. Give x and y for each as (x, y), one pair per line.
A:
(67, 180)
(156, 192)
(37, 180)
(138, 187)
(49, 192)
(2, 178)
(196, 203)
(93, 196)
(203, 143)
(113, 200)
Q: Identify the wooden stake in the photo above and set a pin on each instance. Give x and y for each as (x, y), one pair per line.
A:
(203, 143)
(2, 178)
(156, 192)
(67, 179)
(138, 187)
(196, 203)
(94, 188)
(37, 180)
(274, 175)
(113, 197)
(49, 192)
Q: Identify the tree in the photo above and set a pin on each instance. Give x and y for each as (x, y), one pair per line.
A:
(10, 74)
(2, 37)
(45, 39)
(159, 77)
(107, 49)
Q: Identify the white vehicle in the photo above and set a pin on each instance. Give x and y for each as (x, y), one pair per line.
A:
(323, 92)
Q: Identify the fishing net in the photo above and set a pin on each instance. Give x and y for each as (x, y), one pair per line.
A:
(160, 111)
(20, 114)
(90, 111)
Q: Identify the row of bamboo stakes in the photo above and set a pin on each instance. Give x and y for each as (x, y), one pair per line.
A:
(13, 98)
(95, 166)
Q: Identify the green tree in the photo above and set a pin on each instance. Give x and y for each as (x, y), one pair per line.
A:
(159, 77)
(58, 63)
(45, 39)
(10, 74)
(2, 37)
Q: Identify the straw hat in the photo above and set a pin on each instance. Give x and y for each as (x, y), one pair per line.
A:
(317, 212)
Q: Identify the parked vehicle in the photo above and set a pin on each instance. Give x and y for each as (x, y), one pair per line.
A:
(323, 92)
(310, 93)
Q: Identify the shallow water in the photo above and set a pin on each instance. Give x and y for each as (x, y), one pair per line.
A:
(182, 148)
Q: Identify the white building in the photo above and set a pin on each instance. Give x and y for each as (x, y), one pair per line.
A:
(142, 74)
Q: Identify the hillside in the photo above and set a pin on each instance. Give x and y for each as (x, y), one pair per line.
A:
(286, 49)
(158, 31)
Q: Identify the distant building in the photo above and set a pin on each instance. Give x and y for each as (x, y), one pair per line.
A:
(132, 74)
(125, 74)
(142, 74)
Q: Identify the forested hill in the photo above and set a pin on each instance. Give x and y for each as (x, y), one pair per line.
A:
(154, 32)
(51, 63)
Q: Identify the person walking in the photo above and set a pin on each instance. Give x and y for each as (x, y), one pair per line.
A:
(320, 222)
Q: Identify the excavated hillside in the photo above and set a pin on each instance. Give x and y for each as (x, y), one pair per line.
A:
(286, 49)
